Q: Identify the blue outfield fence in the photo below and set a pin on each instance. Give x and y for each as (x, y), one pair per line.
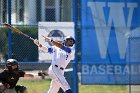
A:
(107, 74)
(107, 53)
(107, 34)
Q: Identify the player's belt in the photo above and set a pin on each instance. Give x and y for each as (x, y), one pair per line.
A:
(58, 67)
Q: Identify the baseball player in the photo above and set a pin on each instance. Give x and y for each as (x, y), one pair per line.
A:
(62, 55)
(10, 76)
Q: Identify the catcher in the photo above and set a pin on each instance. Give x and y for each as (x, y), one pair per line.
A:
(10, 76)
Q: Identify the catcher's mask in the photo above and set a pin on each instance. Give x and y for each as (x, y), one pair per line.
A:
(12, 65)
(69, 41)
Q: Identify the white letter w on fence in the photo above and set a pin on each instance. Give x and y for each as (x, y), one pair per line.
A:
(117, 19)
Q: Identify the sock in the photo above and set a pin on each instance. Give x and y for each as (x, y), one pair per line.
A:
(68, 91)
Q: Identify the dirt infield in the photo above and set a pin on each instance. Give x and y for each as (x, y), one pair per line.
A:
(134, 89)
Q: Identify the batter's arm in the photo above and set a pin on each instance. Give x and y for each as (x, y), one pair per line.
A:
(67, 49)
(45, 49)
(47, 39)
(57, 44)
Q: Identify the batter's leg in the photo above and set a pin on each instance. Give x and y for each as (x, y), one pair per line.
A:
(54, 87)
(61, 81)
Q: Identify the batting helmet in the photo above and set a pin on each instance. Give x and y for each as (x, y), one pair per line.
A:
(69, 41)
(12, 65)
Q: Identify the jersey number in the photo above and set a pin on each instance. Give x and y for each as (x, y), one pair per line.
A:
(66, 57)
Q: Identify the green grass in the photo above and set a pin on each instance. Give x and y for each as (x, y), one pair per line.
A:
(102, 89)
(39, 86)
(35, 86)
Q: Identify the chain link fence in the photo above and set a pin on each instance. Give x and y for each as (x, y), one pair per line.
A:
(25, 15)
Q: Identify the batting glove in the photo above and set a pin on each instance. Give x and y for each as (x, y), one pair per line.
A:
(37, 43)
(42, 73)
(47, 39)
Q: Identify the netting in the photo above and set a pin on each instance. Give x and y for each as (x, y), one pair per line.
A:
(25, 16)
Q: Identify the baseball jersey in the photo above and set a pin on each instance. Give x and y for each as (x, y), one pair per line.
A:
(61, 57)
(10, 77)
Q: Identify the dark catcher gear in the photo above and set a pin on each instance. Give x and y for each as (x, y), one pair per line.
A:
(12, 65)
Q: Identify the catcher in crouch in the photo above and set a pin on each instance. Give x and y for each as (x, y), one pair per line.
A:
(62, 53)
(10, 76)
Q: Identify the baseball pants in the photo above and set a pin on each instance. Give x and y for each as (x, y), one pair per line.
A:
(58, 80)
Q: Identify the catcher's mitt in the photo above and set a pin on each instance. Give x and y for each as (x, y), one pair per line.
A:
(42, 73)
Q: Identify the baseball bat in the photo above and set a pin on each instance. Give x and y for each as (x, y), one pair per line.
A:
(18, 31)
(47, 38)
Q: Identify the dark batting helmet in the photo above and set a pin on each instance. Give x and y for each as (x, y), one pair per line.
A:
(69, 41)
(12, 65)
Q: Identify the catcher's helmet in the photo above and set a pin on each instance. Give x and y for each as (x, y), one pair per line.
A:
(69, 41)
(12, 65)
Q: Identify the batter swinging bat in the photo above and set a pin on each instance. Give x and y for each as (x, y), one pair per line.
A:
(17, 31)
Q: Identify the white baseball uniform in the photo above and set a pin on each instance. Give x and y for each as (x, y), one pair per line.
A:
(60, 60)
